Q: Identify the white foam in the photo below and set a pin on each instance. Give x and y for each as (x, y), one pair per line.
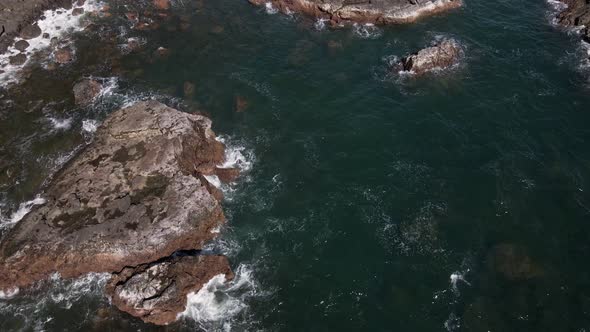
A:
(236, 156)
(61, 124)
(320, 24)
(89, 126)
(457, 277)
(367, 31)
(56, 23)
(219, 301)
(214, 180)
(270, 9)
(23, 210)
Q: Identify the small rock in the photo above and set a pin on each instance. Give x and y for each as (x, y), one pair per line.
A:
(21, 45)
(30, 32)
(85, 91)
(162, 4)
(440, 56)
(80, 2)
(217, 29)
(18, 60)
(131, 16)
(46, 35)
(241, 104)
(162, 52)
(77, 11)
(63, 55)
(334, 45)
(189, 89)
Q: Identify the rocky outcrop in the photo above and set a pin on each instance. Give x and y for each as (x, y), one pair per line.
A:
(134, 196)
(363, 11)
(576, 14)
(157, 292)
(440, 56)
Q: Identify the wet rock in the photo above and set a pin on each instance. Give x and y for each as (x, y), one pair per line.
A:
(162, 52)
(85, 91)
(189, 89)
(217, 29)
(157, 292)
(63, 55)
(440, 56)
(576, 14)
(513, 262)
(77, 11)
(227, 175)
(363, 11)
(46, 35)
(30, 32)
(132, 197)
(18, 60)
(162, 4)
(241, 104)
(21, 45)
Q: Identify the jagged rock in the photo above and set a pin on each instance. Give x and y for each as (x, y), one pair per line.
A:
(513, 262)
(30, 32)
(18, 59)
(157, 292)
(21, 45)
(363, 11)
(133, 196)
(85, 91)
(440, 56)
(227, 174)
(576, 14)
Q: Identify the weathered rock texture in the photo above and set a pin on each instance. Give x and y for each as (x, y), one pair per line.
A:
(576, 14)
(440, 56)
(364, 11)
(85, 91)
(158, 292)
(135, 195)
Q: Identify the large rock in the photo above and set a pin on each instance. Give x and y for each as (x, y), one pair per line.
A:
(135, 195)
(85, 91)
(440, 56)
(363, 11)
(576, 14)
(157, 292)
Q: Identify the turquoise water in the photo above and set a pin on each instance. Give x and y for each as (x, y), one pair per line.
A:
(372, 201)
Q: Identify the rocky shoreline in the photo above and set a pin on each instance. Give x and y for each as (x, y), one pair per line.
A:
(127, 204)
(339, 12)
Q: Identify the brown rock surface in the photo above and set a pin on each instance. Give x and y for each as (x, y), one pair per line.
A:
(440, 56)
(133, 196)
(576, 14)
(157, 292)
(364, 11)
(513, 262)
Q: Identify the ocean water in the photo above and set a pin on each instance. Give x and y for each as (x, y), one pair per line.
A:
(369, 200)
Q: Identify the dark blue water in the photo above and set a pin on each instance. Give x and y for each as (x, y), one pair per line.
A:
(457, 201)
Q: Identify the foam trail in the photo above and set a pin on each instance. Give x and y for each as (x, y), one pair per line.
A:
(219, 301)
(89, 126)
(61, 124)
(367, 31)
(270, 9)
(23, 210)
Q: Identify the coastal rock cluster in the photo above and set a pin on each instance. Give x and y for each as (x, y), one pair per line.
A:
(363, 11)
(126, 204)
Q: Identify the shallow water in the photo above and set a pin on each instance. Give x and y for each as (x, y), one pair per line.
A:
(371, 200)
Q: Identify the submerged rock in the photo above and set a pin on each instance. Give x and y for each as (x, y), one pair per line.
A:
(513, 262)
(63, 55)
(363, 11)
(157, 292)
(135, 195)
(440, 56)
(18, 59)
(85, 91)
